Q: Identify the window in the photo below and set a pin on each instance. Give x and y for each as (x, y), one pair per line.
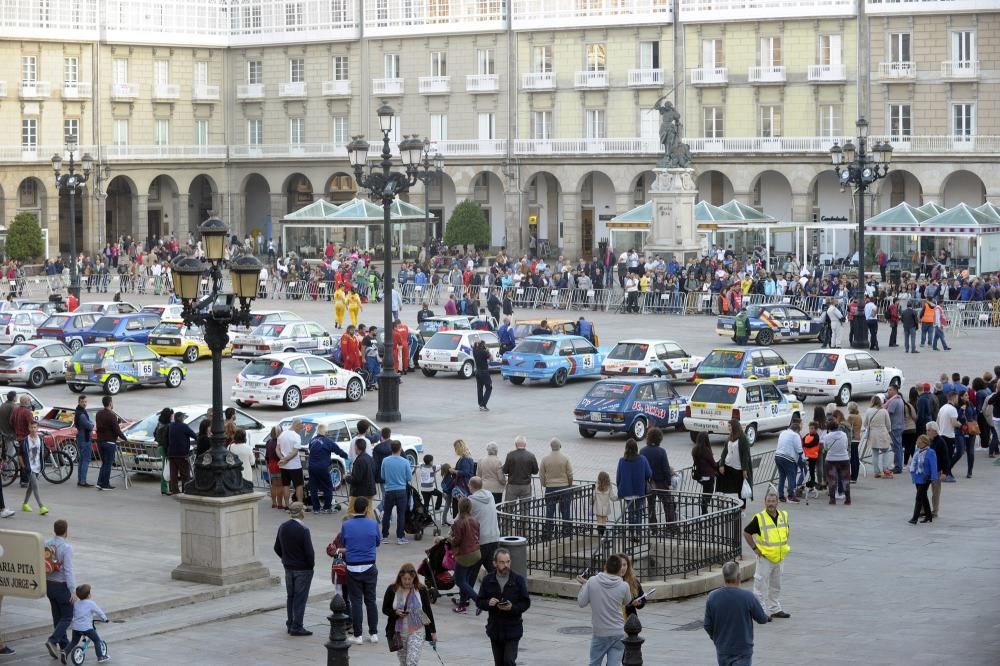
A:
(294, 15)
(119, 71)
(297, 70)
(439, 63)
(29, 69)
(649, 55)
(29, 133)
(338, 12)
(201, 132)
(201, 73)
(255, 72)
(439, 127)
(341, 68)
(296, 131)
(161, 72)
(899, 121)
(487, 126)
(28, 193)
(340, 130)
(899, 47)
(963, 47)
(963, 119)
(541, 59)
(250, 18)
(596, 124)
(119, 134)
(770, 121)
(715, 125)
(770, 51)
(829, 49)
(712, 55)
(71, 127)
(541, 125)
(71, 71)
(391, 63)
(597, 57)
(771, 393)
(649, 125)
(485, 64)
(437, 11)
(161, 133)
(830, 123)
(255, 132)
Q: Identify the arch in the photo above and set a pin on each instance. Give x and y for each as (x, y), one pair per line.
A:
(256, 199)
(963, 187)
(201, 201)
(162, 216)
(543, 204)
(441, 201)
(298, 192)
(640, 187)
(31, 197)
(899, 186)
(772, 193)
(340, 188)
(714, 187)
(487, 189)
(597, 201)
(120, 208)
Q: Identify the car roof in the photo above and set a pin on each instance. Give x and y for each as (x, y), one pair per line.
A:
(269, 312)
(286, 357)
(556, 337)
(549, 321)
(123, 315)
(647, 341)
(109, 344)
(448, 318)
(321, 416)
(722, 381)
(465, 332)
(634, 381)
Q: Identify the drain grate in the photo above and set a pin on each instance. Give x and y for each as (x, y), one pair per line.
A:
(574, 631)
(690, 626)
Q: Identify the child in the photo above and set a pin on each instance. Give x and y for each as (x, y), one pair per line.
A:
(31, 450)
(810, 447)
(428, 482)
(604, 495)
(84, 612)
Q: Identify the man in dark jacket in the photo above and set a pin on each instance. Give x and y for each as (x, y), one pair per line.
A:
(20, 421)
(293, 545)
(179, 438)
(108, 434)
(84, 430)
(361, 481)
(519, 466)
(926, 408)
(320, 484)
(484, 383)
(503, 594)
(659, 484)
(910, 324)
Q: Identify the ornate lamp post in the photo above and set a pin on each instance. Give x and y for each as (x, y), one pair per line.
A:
(859, 169)
(429, 170)
(217, 473)
(384, 184)
(72, 182)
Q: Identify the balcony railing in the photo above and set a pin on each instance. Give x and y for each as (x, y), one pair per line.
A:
(250, 91)
(767, 74)
(124, 91)
(434, 85)
(35, 89)
(166, 91)
(387, 86)
(960, 69)
(942, 144)
(473, 147)
(292, 89)
(713, 11)
(606, 146)
(289, 150)
(898, 70)
(591, 79)
(205, 93)
(482, 83)
(77, 90)
(645, 77)
(821, 144)
(538, 81)
(336, 88)
(821, 73)
(414, 17)
(38, 153)
(709, 76)
(146, 152)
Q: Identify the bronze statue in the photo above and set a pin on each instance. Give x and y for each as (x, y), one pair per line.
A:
(676, 155)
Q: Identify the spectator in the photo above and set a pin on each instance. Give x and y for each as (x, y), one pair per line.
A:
(875, 430)
(464, 540)
(519, 466)
(410, 623)
(361, 480)
(60, 587)
(606, 594)
(735, 464)
(321, 448)
(360, 536)
(179, 438)
(659, 483)
(923, 472)
(556, 477)
(84, 431)
(490, 470)
(20, 420)
(289, 460)
(84, 612)
(632, 479)
(293, 545)
(728, 614)
(31, 453)
(705, 469)
(396, 473)
(108, 433)
(484, 510)
(503, 594)
(241, 449)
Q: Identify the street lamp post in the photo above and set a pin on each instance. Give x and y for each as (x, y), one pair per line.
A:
(71, 182)
(217, 473)
(429, 170)
(859, 169)
(384, 184)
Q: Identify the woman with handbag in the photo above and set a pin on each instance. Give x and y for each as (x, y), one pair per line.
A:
(735, 464)
(876, 433)
(279, 498)
(410, 620)
(967, 415)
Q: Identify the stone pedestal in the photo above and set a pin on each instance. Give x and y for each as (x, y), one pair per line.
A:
(674, 230)
(219, 539)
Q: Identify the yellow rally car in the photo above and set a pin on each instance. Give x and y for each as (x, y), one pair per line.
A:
(172, 337)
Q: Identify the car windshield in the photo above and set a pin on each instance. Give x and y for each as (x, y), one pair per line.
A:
(262, 368)
(612, 390)
(90, 307)
(269, 330)
(543, 347)
(55, 321)
(629, 351)
(106, 324)
(444, 341)
(168, 328)
(155, 309)
(431, 325)
(58, 417)
(718, 393)
(143, 429)
(754, 310)
(89, 354)
(724, 358)
(19, 350)
(818, 361)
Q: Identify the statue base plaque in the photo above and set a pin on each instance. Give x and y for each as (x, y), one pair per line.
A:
(674, 230)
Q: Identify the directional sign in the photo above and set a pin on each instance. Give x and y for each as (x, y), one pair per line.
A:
(22, 567)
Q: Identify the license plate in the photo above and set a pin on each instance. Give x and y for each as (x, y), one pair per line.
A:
(161, 341)
(251, 385)
(100, 338)
(595, 416)
(519, 374)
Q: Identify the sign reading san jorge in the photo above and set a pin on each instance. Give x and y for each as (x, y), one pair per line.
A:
(22, 564)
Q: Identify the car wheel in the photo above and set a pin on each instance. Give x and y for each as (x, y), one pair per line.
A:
(587, 432)
(844, 395)
(191, 354)
(174, 377)
(70, 449)
(18, 339)
(517, 381)
(113, 385)
(468, 369)
(355, 390)
(292, 398)
(336, 475)
(751, 432)
(428, 373)
(76, 388)
(801, 397)
(75, 344)
(411, 456)
(559, 379)
(765, 337)
(679, 426)
(289, 351)
(36, 378)
(693, 435)
(638, 429)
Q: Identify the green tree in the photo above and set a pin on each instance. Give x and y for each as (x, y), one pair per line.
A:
(24, 238)
(468, 226)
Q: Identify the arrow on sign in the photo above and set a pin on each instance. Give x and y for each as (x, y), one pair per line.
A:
(34, 584)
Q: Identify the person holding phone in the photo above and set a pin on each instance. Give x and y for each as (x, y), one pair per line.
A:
(634, 586)
(503, 594)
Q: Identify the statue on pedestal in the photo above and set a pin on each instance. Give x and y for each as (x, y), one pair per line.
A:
(676, 155)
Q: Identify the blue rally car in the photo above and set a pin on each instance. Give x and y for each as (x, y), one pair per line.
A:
(746, 363)
(770, 323)
(552, 358)
(67, 327)
(122, 328)
(632, 406)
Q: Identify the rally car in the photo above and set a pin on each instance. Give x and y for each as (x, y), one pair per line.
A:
(841, 374)
(758, 404)
(265, 317)
(107, 307)
(122, 328)
(292, 379)
(51, 306)
(747, 363)
(169, 311)
(631, 406)
(67, 327)
(656, 358)
(20, 325)
(56, 428)
(175, 338)
(117, 365)
(285, 336)
(34, 362)
(770, 323)
(552, 358)
(452, 352)
(524, 327)
(430, 326)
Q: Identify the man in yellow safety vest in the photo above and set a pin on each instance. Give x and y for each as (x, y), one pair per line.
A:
(767, 535)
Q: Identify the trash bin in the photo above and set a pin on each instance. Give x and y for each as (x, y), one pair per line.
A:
(518, 547)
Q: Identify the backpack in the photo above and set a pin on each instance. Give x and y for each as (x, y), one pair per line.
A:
(51, 557)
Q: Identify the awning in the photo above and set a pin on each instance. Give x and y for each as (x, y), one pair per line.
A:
(991, 210)
(745, 212)
(638, 219)
(356, 212)
(932, 209)
(317, 211)
(962, 220)
(902, 218)
(706, 212)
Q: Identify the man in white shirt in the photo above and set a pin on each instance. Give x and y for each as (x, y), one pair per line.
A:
(837, 319)
(289, 460)
(871, 319)
(631, 293)
(947, 420)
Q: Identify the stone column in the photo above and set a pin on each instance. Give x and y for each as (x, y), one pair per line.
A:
(181, 216)
(50, 221)
(674, 230)
(515, 223)
(569, 215)
(140, 220)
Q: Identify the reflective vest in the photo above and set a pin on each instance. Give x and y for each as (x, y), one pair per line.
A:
(773, 538)
(927, 316)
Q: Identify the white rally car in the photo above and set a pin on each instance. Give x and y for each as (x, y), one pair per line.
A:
(655, 358)
(292, 379)
(758, 404)
(284, 336)
(841, 374)
(451, 351)
(20, 325)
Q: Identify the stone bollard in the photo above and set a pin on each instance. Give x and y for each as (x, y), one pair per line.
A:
(337, 646)
(633, 643)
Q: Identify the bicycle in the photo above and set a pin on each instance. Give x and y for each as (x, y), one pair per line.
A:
(79, 653)
(57, 467)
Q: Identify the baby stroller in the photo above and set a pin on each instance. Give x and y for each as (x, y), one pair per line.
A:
(436, 577)
(417, 516)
